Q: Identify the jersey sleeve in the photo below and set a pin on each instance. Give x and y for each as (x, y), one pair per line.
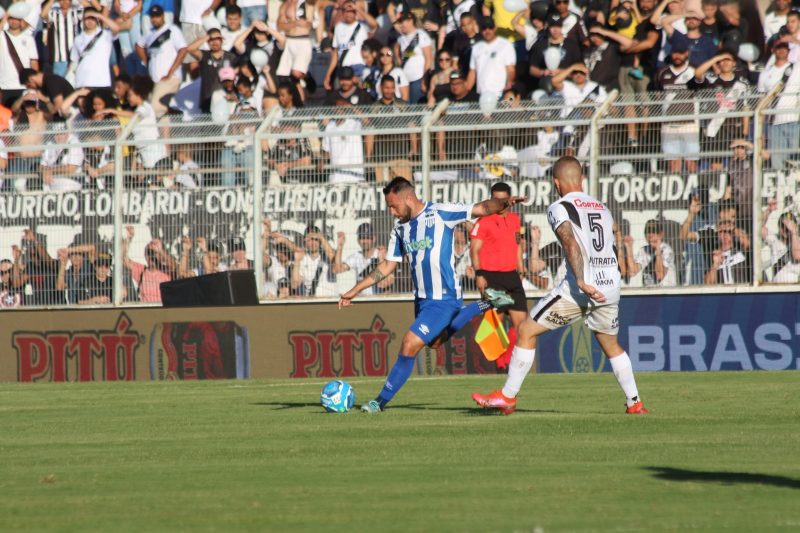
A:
(454, 214)
(394, 251)
(557, 215)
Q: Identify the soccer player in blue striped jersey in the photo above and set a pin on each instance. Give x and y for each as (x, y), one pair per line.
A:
(423, 233)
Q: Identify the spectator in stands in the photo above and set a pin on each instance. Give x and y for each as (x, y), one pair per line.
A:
(162, 50)
(775, 17)
(388, 67)
(122, 85)
(697, 231)
(348, 36)
(37, 271)
(603, 59)
(210, 62)
(278, 252)
(784, 263)
(720, 131)
(778, 67)
(463, 262)
(348, 90)
(50, 87)
(209, 257)
(17, 52)
(571, 24)
(98, 162)
(710, 25)
(363, 261)
(414, 50)
(233, 28)
(492, 65)
(460, 42)
(550, 264)
(529, 25)
(568, 49)
(655, 259)
(224, 99)
(61, 23)
(577, 90)
(237, 250)
(72, 279)
(439, 84)
(453, 144)
(680, 141)
(783, 129)
(291, 156)
(739, 188)
(453, 12)
(370, 50)
(10, 295)
(343, 145)
(729, 263)
(62, 163)
(159, 267)
(621, 230)
(701, 47)
(312, 274)
(392, 153)
(295, 20)
(30, 126)
(98, 289)
(237, 154)
(91, 52)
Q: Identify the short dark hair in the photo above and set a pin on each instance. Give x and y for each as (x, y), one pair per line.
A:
(123, 77)
(25, 74)
(398, 184)
(233, 10)
(387, 78)
(501, 186)
(142, 85)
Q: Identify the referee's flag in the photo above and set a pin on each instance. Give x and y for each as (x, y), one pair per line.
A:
(491, 336)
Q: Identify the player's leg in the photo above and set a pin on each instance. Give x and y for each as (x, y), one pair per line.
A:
(433, 316)
(551, 312)
(496, 299)
(604, 322)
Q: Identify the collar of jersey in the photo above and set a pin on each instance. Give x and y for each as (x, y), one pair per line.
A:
(422, 211)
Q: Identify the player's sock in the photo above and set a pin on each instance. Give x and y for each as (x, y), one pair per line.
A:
(623, 371)
(467, 313)
(518, 368)
(398, 376)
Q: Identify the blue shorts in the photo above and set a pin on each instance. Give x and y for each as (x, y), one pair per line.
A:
(433, 317)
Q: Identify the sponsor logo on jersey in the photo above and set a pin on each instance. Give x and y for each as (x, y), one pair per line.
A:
(415, 246)
(603, 261)
(589, 205)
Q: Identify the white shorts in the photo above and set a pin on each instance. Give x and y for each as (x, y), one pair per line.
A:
(554, 311)
(296, 56)
(681, 142)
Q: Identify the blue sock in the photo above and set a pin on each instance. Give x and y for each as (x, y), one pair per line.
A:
(398, 376)
(467, 313)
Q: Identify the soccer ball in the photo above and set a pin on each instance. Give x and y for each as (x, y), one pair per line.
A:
(337, 397)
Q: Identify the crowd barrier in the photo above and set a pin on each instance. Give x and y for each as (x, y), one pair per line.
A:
(180, 196)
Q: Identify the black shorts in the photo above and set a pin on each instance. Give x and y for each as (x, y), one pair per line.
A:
(512, 284)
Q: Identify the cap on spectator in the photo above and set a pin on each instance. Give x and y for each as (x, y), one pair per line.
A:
(487, 22)
(679, 47)
(236, 244)
(653, 226)
(103, 259)
(457, 75)
(365, 231)
(155, 11)
(19, 10)
(227, 74)
(744, 143)
(346, 73)
(58, 126)
(311, 229)
(555, 20)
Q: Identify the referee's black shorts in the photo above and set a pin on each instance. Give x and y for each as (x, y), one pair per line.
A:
(512, 284)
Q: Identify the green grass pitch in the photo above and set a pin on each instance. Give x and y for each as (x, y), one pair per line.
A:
(718, 451)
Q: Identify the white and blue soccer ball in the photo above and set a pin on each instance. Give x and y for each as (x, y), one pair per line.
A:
(337, 397)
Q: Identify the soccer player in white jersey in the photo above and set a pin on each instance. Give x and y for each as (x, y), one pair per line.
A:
(424, 233)
(589, 290)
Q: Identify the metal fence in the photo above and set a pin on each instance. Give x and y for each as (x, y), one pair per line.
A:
(102, 212)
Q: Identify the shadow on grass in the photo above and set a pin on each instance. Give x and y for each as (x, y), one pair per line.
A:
(287, 405)
(728, 478)
(467, 410)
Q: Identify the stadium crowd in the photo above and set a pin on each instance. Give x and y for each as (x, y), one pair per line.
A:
(66, 65)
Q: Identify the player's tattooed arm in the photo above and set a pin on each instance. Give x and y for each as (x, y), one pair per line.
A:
(572, 251)
(377, 275)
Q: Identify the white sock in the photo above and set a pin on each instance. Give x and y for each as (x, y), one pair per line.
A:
(623, 371)
(518, 368)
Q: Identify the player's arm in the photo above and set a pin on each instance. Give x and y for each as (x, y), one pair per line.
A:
(574, 256)
(495, 205)
(381, 272)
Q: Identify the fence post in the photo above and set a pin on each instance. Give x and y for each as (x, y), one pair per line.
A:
(258, 196)
(118, 198)
(594, 142)
(758, 181)
(427, 121)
